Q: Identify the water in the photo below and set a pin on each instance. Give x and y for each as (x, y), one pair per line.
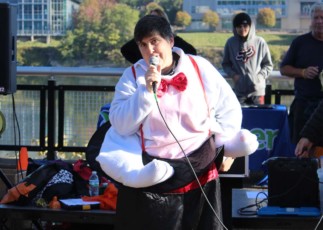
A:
(94, 184)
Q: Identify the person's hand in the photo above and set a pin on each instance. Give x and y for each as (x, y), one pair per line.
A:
(303, 148)
(153, 74)
(310, 72)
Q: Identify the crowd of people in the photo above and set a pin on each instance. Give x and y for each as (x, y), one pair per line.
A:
(174, 117)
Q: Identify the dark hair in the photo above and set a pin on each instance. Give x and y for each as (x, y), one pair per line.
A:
(150, 25)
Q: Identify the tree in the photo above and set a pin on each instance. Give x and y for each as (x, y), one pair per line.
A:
(151, 6)
(266, 17)
(91, 11)
(211, 18)
(101, 28)
(183, 19)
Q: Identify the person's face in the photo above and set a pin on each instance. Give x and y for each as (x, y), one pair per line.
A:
(243, 30)
(157, 45)
(317, 22)
(154, 13)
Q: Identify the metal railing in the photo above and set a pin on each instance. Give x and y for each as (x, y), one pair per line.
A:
(57, 120)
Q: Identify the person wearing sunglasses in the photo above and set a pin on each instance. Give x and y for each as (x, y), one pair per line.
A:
(247, 61)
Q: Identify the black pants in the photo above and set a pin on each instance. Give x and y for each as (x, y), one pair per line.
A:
(300, 111)
(139, 210)
(252, 100)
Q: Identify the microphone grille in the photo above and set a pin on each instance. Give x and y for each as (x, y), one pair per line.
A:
(154, 60)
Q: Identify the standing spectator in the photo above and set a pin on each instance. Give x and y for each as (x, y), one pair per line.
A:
(247, 61)
(131, 52)
(304, 62)
(312, 134)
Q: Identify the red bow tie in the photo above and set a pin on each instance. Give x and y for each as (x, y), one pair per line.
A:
(179, 82)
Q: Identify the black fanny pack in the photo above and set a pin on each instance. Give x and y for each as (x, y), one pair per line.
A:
(201, 160)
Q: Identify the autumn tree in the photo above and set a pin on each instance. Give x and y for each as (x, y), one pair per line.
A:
(151, 6)
(101, 27)
(211, 18)
(266, 17)
(183, 19)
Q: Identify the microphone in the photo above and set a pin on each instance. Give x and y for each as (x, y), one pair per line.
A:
(154, 60)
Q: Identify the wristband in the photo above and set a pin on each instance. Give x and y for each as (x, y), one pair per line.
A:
(303, 73)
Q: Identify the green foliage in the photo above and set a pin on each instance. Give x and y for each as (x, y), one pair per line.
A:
(151, 6)
(214, 55)
(209, 45)
(132, 3)
(205, 39)
(266, 17)
(211, 18)
(105, 27)
(37, 53)
(183, 18)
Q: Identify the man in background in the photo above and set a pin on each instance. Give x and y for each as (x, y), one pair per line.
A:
(304, 62)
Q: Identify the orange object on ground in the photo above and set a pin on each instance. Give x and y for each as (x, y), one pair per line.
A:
(23, 159)
(318, 152)
(15, 192)
(54, 203)
(108, 200)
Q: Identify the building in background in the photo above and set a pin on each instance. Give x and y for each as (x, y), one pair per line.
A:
(44, 18)
(291, 15)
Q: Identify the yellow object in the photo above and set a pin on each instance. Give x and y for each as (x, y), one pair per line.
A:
(2, 123)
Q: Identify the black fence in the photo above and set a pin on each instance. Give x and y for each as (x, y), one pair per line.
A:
(59, 120)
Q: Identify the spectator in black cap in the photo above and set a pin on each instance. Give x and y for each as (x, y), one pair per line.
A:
(241, 19)
(247, 61)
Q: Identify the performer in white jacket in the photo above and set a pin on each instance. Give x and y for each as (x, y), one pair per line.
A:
(197, 111)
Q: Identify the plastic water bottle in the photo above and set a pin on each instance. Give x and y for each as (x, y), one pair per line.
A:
(94, 184)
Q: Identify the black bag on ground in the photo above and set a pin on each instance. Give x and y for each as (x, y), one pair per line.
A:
(25, 191)
(93, 150)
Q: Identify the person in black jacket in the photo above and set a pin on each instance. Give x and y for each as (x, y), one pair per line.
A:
(311, 134)
(131, 52)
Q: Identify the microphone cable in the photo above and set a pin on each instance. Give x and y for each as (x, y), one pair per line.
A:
(16, 127)
(189, 163)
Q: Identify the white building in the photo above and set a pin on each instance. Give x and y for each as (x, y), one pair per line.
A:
(45, 18)
(291, 15)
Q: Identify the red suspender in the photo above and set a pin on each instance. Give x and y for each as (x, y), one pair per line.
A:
(134, 72)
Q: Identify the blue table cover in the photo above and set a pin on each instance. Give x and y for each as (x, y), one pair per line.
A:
(272, 130)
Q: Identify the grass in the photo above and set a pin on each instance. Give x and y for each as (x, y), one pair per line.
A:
(208, 44)
(278, 44)
(217, 39)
